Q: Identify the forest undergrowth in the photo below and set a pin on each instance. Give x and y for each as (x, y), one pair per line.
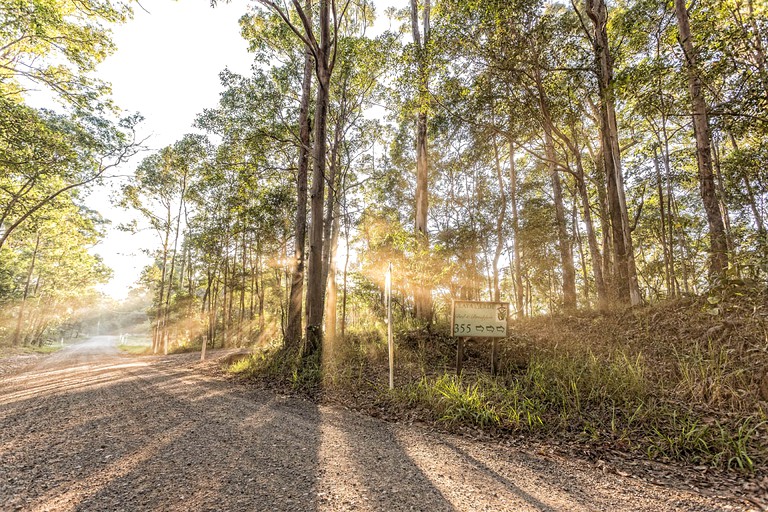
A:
(683, 381)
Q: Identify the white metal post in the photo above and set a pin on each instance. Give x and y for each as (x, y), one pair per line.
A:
(390, 341)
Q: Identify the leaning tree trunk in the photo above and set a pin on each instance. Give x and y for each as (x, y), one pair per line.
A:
(564, 241)
(594, 249)
(293, 327)
(718, 247)
(20, 320)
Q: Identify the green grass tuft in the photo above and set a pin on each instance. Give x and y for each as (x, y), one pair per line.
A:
(282, 367)
(136, 350)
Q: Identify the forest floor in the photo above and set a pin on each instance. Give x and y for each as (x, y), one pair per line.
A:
(88, 428)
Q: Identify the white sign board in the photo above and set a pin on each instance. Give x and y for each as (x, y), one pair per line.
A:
(479, 319)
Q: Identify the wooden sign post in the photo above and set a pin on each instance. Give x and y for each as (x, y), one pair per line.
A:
(474, 319)
(390, 338)
(459, 354)
(494, 355)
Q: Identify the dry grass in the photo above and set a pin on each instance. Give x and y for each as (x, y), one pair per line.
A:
(683, 380)
(136, 345)
(8, 351)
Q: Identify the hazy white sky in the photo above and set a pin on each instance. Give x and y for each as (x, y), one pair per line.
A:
(168, 61)
(167, 68)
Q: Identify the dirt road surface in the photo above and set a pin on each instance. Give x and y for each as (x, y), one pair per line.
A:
(90, 429)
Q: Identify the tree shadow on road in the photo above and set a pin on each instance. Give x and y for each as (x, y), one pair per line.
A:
(161, 440)
(369, 468)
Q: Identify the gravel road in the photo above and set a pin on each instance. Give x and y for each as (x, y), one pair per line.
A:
(90, 429)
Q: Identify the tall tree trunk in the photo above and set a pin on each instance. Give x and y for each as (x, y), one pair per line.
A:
(231, 296)
(663, 228)
(314, 335)
(331, 200)
(500, 221)
(564, 242)
(190, 275)
(260, 289)
(293, 327)
(594, 249)
(183, 268)
(573, 145)
(252, 294)
(207, 299)
(626, 273)
(20, 320)
(167, 313)
(333, 219)
(581, 190)
(346, 268)
(605, 225)
(243, 282)
(423, 298)
(225, 300)
(160, 328)
(671, 211)
(759, 222)
(580, 246)
(519, 291)
(718, 248)
(331, 289)
(721, 197)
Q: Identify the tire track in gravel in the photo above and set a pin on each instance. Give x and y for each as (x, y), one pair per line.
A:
(89, 429)
(237, 453)
(57, 437)
(178, 443)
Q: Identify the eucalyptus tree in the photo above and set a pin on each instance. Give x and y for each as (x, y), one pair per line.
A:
(512, 76)
(363, 63)
(321, 41)
(649, 84)
(701, 130)
(158, 191)
(207, 238)
(730, 39)
(57, 44)
(625, 272)
(256, 122)
(239, 233)
(270, 37)
(655, 80)
(543, 41)
(421, 50)
(191, 156)
(50, 271)
(44, 155)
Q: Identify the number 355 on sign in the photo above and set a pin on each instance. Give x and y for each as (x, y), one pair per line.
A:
(479, 319)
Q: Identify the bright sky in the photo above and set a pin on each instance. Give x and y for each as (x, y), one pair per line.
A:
(167, 68)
